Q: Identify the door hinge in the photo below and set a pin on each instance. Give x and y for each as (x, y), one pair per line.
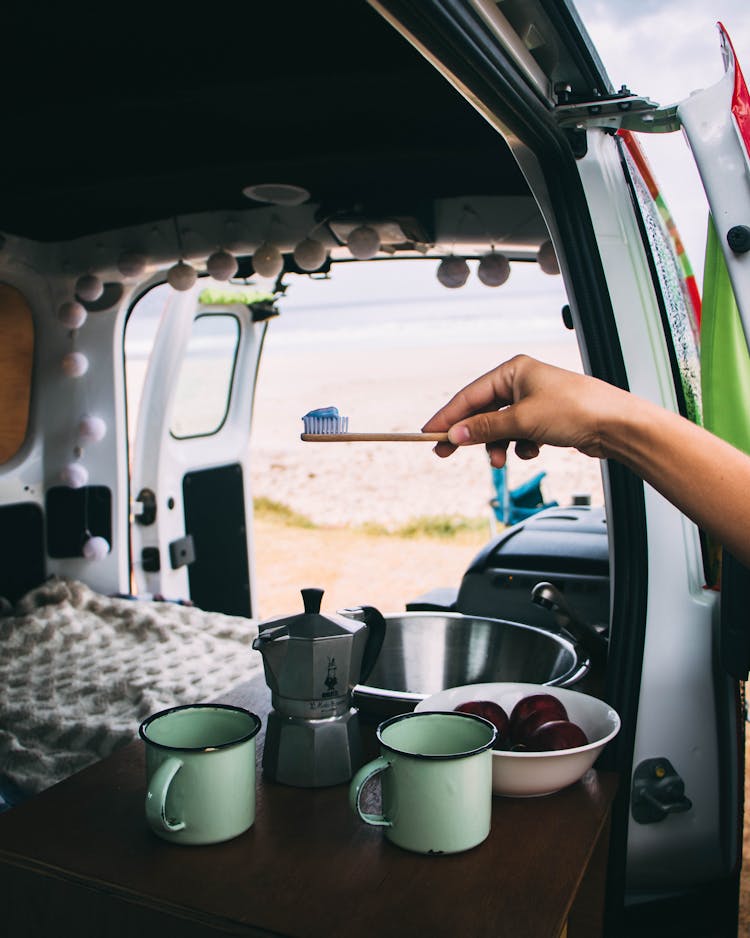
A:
(621, 110)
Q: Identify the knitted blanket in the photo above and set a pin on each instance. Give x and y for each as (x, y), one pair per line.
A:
(79, 671)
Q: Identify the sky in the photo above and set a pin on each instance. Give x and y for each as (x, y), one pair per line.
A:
(664, 50)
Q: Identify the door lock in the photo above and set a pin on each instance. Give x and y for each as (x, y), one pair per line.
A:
(657, 792)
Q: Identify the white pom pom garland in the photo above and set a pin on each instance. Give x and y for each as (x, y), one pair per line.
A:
(89, 288)
(95, 548)
(91, 429)
(267, 260)
(547, 259)
(363, 242)
(493, 269)
(75, 475)
(181, 276)
(72, 314)
(75, 364)
(131, 263)
(221, 266)
(309, 254)
(453, 272)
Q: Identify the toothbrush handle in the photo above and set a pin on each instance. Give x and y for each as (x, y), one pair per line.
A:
(373, 437)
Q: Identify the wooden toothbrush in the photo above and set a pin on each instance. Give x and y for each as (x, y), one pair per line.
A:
(374, 437)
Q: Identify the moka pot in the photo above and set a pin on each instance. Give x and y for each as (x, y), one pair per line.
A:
(312, 663)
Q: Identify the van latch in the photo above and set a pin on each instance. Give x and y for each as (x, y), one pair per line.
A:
(146, 501)
(657, 791)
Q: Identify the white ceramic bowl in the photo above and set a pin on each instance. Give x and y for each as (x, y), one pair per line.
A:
(526, 774)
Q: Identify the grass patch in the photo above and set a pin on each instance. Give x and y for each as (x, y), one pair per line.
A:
(266, 509)
(444, 527)
(438, 526)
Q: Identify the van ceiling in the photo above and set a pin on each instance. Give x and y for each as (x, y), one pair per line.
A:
(116, 119)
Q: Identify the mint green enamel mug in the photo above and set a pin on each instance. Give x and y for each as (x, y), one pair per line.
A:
(200, 772)
(436, 781)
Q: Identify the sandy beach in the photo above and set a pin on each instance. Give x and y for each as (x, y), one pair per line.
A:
(390, 390)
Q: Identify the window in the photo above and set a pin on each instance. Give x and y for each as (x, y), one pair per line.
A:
(16, 362)
(201, 405)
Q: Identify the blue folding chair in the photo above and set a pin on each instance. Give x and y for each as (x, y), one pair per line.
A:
(513, 505)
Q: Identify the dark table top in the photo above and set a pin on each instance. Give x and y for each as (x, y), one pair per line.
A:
(308, 867)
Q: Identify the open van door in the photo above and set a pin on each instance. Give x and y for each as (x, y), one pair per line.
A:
(530, 69)
(191, 519)
(716, 122)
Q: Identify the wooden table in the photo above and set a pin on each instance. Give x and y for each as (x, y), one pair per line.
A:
(79, 859)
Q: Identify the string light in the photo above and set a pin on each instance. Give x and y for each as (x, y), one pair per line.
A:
(89, 288)
(75, 364)
(221, 265)
(181, 276)
(268, 260)
(131, 264)
(493, 269)
(309, 254)
(72, 314)
(74, 475)
(547, 259)
(91, 429)
(95, 548)
(453, 272)
(363, 243)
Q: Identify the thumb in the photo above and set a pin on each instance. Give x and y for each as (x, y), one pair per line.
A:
(482, 428)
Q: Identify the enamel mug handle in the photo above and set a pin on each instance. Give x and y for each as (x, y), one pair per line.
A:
(357, 784)
(156, 796)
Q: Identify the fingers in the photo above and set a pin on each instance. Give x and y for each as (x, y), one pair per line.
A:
(484, 428)
(488, 392)
(498, 453)
(527, 449)
(443, 449)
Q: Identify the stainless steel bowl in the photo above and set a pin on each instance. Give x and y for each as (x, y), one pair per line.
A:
(426, 652)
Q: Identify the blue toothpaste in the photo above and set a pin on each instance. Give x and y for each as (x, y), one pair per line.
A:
(325, 420)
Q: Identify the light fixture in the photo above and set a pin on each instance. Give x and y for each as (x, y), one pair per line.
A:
(277, 193)
(221, 265)
(267, 260)
(493, 269)
(72, 314)
(89, 287)
(309, 254)
(181, 276)
(74, 364)
(547, 259)
(363, 242)
(453, 272)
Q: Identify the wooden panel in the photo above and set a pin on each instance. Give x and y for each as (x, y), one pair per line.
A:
(16, 365)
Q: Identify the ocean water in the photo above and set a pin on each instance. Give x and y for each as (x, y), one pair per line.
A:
(381, 304)
(402, 304)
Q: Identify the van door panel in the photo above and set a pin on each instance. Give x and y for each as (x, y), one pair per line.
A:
(192, 537)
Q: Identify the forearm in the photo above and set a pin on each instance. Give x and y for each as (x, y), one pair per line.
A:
(702, 475)
(532, 403)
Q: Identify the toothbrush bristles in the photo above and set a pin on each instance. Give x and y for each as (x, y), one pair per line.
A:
(325, 424)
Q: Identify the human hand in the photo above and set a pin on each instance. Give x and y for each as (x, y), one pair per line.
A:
(531, 403)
